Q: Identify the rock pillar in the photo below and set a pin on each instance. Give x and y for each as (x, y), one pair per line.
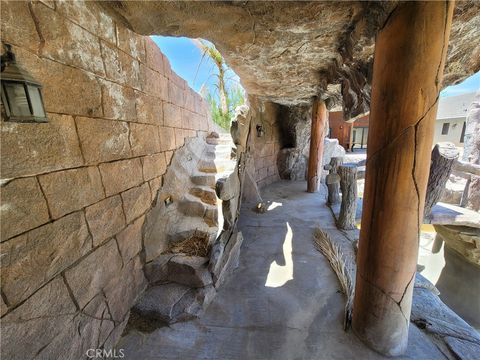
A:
(319, 120)
(410, 54)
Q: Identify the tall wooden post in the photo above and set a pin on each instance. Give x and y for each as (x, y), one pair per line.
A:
(319, 120)
(410, 54)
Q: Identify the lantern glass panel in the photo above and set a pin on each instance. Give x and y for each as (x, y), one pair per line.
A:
(36, 101)
(17, 99)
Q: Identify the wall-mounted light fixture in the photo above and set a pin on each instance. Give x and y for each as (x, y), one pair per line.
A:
(21, 93)
(260, 131)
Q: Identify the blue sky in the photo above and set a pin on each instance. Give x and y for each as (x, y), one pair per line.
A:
(185, 58)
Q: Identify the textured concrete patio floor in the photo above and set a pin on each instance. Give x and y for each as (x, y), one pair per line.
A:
(283, 302)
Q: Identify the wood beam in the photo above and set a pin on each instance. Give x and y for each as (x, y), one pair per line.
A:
(410, 54)
(315, 157)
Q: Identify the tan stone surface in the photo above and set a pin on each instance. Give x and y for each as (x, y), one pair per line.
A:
(155, 185)
(172, 115)
(30, 149)
(66, 42)
(144, 139)
(31, 259)
(105, 219)
(121, 175)
(89, 16)
(154, 166)
(34, 324)
(17, 25)
(136, 201)
(167, 138)
(130, 239)
(179, 137)
(70, 190)
(124, 289)
(175, 94)
(131, 43)
(120, 67)
(118, 102)
(155, 58)
(154, 83)
(23, 207)
(103, 140)
(90, 276)
(149, 109)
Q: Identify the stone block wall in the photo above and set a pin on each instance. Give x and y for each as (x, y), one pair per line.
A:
(265, 149)
(75, 191)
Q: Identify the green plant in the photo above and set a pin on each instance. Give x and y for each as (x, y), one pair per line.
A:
(230, 95)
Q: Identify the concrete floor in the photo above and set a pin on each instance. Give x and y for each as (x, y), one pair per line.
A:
(283, 302)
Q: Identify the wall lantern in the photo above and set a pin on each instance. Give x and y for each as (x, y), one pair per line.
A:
(21, 93)
(260, 131)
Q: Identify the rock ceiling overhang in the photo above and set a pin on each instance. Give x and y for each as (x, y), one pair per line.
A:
(289, 52)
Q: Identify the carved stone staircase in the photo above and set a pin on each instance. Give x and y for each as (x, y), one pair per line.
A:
(181, 286)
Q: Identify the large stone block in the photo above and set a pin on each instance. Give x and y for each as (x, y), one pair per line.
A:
(149, 109)
(172, 115)
(70, 190)
(131, 43)
(121, 175)
(154, 83)
(155, 185)
(33, 258)
(30, 149)
(17, 25)
(224, 257)
(125, 288)
(66, 42)
(136, 201)
(154, 56)
(130, 240)
(167, 138)
(34, 324)
(105, 219)
(176, 94)
(118, 101)
(154, 166)
(89, 16)
(94, 272)
(144, 139)
(88, 329)
(103, 140)
(179, 137)
(156, 271)
(23, 207)
(120, 67)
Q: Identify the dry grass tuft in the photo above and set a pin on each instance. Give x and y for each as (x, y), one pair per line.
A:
(331, 251)
(195, 245)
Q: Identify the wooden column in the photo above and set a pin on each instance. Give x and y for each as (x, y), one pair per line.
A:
(410, 54)
(319, 119)
(348, 209)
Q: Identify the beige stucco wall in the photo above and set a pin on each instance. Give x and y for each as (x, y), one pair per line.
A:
(454, 131)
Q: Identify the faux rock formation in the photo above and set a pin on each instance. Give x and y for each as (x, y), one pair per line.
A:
(333, 181)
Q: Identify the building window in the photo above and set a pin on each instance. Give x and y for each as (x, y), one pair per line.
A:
(445, 128)
(462, 137)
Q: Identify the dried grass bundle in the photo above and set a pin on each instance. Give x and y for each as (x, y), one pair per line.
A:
(331, 251)
(196, 245)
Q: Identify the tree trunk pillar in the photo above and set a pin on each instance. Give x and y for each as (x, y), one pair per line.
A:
(348, 185)
(319, 119)
(410, 54)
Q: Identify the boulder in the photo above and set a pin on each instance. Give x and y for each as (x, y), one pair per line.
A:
(292, 164)
(189, 270)
(225, 257)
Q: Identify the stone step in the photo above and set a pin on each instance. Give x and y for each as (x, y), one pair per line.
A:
(205, 193)
(216, 166)
(193, 206)
(186, 270)
(190, 226)
(220, 141)
(173, 302)
(204, 179)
